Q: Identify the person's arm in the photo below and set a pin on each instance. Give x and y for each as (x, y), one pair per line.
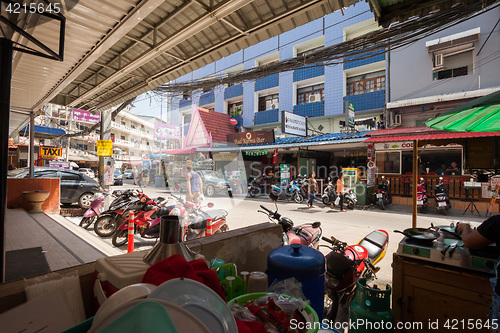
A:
(201, 184)
(188, 180)
(472, 238)
(309, 186)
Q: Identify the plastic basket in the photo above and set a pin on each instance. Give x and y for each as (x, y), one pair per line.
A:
(243, 299)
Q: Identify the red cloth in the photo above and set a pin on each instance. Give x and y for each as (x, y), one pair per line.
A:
(176, 266)
(250, 326)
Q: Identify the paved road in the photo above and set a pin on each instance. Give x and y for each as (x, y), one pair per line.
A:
(349, 227)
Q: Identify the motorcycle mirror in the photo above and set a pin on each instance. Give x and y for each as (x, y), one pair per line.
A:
(316, 224)
(273, 197)
(210, 205)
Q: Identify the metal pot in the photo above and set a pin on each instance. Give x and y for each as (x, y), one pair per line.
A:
(421, 234)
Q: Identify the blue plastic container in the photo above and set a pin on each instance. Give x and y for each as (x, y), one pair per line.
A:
(305, 264)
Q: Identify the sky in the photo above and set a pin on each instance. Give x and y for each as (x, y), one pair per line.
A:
(148, 104)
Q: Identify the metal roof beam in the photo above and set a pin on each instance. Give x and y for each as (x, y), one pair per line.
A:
(225, 9)
(116, 33)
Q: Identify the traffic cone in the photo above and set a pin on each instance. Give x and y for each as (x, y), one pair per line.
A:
(130, 243)
(208, 232)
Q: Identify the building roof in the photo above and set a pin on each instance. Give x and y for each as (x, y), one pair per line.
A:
(421, 133)
(217, 124)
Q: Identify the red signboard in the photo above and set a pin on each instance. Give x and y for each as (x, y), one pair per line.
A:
(251, 138)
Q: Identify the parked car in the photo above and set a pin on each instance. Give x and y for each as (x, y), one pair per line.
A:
(213, 183)
(87, 171)
(128, 174)
(118, 177)
(75, 186)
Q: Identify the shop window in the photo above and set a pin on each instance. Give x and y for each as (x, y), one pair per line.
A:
(310, 94)
(388, 162)
(269, 102)
(362, 84)
(434, 161)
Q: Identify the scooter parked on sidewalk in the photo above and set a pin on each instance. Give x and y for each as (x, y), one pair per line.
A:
(307, 234)
(102, 201)
(257, 186)
(329, 193)
(108, 221)
(382, 193)
(288, 192)
(346, 264)
(443, 203)
(422, 199)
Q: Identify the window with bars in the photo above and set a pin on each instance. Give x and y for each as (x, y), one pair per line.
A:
(310, 94)
(269, 102)
(365, 83)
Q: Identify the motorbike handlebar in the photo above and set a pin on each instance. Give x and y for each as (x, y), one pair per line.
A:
(267, 210)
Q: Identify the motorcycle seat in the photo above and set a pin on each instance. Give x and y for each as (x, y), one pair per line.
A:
(216, 214)
(374, 243)
(162, 211)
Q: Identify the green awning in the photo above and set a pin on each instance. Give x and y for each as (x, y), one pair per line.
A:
(476, 119)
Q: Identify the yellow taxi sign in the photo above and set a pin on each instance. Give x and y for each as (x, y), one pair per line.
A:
(49, 152)
(104, 148)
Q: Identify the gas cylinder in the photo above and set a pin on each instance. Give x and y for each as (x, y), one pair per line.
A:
(305, 264)
(371, 309)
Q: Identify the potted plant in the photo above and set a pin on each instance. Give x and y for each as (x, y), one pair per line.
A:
(237, 114)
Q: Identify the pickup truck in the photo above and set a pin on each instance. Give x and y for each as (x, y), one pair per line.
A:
(213, 183)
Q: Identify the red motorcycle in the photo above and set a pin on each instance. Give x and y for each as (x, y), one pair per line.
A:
(307, 234)
(346, 264)
(146, 221)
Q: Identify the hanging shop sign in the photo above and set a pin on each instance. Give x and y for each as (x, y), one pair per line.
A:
(250, 138)
(225, 157)
(293, 124)
(167, 131)
(49, 152)
(104, 148)
(285, 174)
(349, 114)
(86, 116)
(394, 145)
(256, 152)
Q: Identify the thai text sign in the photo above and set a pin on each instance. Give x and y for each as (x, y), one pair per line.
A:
(49, 152)
(225, 157)
(59, 164)
(104, 148)
(250, 138)
(167, 131)
(293, 124)
(86, 116)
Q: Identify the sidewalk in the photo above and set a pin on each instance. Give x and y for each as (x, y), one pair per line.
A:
(62, 244)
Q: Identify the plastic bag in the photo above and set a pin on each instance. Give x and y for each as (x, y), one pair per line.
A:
(291, 287)
(337, 200)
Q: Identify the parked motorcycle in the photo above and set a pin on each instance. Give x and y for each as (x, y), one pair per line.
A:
(307, 234)
(288, 192)
(346, 264)
(257, 187)
(102, 201)
(382, 193)
(422, 199)
(108, 221)
(443, 203)
(330, 195)
(146, 222)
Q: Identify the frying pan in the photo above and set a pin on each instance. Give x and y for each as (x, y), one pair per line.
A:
(420, 234)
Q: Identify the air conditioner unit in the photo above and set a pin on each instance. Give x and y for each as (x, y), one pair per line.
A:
(314, 98)
(275, 106)
(438, 60)
(398, 119)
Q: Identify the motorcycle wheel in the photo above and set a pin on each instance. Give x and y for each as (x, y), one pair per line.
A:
(223, 228)
(331, 307)
(252, 193)
(298, 198)
(86, 222)
(326, 200)
(105, 226)
(382, 204)
(350, 204)
(120, 237)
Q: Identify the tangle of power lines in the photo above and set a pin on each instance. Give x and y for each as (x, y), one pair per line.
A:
(362, 47)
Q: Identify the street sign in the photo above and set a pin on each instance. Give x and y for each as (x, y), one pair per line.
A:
(104, 148)
(293, 124)
(349, 114)
(49, 152)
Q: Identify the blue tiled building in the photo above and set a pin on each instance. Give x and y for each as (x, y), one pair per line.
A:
(316, 91)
